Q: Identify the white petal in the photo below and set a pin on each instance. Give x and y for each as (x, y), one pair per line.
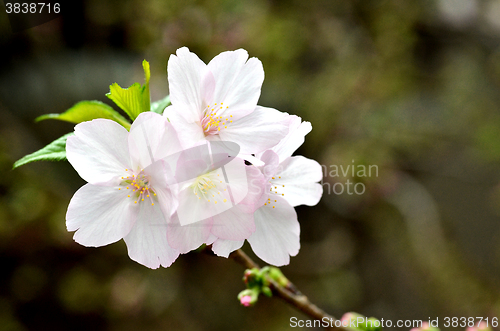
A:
(100, 215)
(302, 194)
(236, 174)
(99, 151)
(185, 72)
(294, 139)
(258, 131)
(151, 138)
(277, 233)
(229, 187)
(271, 161)
(223, 247)
(188, 237)
(252, 159)
(233, 224)
(189, 133)
(237, 81)
(299, 175)
(161, 176)
(147, 241)
(257, 186)
(210, 240)
(195, 208)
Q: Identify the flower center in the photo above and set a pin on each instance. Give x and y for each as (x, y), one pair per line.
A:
(275, 189)
(205, 187)
(215, 118)
(139, 186)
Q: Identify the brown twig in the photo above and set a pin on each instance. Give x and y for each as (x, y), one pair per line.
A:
(289, 294)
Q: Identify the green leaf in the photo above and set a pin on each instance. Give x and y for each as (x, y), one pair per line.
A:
(160, 105)
(87, 111)
(135, 99)
(146, 97)
(55, 151)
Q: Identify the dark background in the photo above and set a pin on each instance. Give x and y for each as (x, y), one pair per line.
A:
(409, 86)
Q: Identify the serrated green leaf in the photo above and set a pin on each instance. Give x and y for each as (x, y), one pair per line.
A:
(87, 111)
(55, 151)
(160, 105)
(135, 99)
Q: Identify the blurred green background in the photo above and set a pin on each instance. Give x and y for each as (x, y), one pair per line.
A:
(409, 86)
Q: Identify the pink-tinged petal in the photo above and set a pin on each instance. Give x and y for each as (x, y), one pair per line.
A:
(257, 185)
(223, 189)
(233, 224)
(147, 241)
(208, 84)
(223, 247)
(99, 151)
(161, 178)
(294, 139)
(235, 174)
(194, 207)
(185, 73)
(277, 234)
(252, 159)
(101, 215)
(151, 138)
(237, 82)
(271, 160)
(258, 131)
(189, 133)
(188, 237)
(296, 181)
(210, 240)
(191, 163)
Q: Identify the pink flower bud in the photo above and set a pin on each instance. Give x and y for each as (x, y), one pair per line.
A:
(424, 327)
(482, 326)
(246, 300)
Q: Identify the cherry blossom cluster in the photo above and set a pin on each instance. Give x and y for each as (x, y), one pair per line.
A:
(214, 169)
